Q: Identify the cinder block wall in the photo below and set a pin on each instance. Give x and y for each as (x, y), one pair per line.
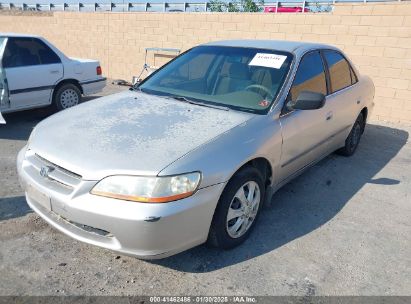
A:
(377, 37)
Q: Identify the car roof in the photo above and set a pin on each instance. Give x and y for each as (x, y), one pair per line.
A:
(18, 35)
(279, 45)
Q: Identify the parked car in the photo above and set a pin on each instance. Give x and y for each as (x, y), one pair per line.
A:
(191, 153)
(34, 73)
(285, 9)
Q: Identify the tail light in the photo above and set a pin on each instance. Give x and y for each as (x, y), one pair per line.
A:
(99, 71)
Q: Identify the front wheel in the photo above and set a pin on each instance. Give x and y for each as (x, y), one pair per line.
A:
(237, 209)
(353, 139)
(66, 96)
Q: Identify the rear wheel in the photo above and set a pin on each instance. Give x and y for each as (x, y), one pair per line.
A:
(68, 95)
(353, 139)
(237, 209)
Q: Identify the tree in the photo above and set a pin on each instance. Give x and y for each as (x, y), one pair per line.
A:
(251, 6)
(217, 6)
(234, 6)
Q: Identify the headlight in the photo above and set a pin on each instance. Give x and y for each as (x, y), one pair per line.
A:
(145, 189)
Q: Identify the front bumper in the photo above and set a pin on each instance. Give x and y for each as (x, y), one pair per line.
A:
(149, 231)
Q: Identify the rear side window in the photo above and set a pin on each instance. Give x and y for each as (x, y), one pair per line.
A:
(310, 76)
(341, 73)
(27, 51)
(46, 54)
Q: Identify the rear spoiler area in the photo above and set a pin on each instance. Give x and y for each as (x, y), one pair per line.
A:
(2, 121)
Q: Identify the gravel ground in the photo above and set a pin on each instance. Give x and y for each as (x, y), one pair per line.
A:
(342, 228)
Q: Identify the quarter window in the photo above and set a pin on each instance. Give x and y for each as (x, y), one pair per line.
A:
(341, 73)
(27, 51)
(310, 76)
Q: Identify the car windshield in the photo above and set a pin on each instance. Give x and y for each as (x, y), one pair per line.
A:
(245, 79)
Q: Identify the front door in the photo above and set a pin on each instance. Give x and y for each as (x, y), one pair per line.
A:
(305, 132)
(32, 70)
(4, 92)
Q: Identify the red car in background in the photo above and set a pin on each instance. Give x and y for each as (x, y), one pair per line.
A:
(284, 9)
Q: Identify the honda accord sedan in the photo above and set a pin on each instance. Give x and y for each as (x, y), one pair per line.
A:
(190, 154)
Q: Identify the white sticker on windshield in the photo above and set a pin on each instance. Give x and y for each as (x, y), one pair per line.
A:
(268, 60)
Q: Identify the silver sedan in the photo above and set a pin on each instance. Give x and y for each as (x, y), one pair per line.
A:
(190, 154)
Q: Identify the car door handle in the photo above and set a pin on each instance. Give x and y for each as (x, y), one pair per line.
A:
(329, 115)
(54, 71)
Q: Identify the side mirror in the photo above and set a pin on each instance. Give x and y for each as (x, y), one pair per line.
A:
(307, 100)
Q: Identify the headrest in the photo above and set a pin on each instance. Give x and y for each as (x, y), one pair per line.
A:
(239, 71)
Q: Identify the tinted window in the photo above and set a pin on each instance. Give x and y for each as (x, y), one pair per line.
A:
(341, 73)
(353, 76)
(46, 54)
(27, 51)
(310, 76)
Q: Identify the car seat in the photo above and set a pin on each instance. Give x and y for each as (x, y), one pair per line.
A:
(237, 79)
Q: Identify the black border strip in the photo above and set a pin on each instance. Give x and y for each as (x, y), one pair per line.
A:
(26, 90)
(92, 81)
(49, 87)
(307, 299)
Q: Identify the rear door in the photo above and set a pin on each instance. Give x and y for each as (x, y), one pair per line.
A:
(32, 70)
(344, 98)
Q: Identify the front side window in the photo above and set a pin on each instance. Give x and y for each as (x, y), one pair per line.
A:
(245, 79)
(21, 52)
(310, 76)
(341, 74)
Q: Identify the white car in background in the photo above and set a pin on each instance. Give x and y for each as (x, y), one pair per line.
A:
(34, 73)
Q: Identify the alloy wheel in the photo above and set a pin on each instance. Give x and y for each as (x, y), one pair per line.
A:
(243, 209)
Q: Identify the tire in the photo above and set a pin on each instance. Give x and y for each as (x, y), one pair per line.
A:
(222, 232)
(68, 95)
(353, 139)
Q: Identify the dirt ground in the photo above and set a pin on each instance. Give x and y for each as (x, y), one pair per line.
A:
(342, 228)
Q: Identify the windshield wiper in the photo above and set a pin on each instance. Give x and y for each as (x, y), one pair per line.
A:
(202, 104)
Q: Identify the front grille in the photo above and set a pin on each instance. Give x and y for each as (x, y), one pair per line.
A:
(72, 174)
(61, 177)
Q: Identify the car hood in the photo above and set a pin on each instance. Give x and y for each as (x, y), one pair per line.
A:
(128, 133)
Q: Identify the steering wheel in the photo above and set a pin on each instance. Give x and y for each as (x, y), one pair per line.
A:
(260, 87)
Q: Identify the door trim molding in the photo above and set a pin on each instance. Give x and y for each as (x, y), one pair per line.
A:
(92, 81)
(49, 87)
(26, 90)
